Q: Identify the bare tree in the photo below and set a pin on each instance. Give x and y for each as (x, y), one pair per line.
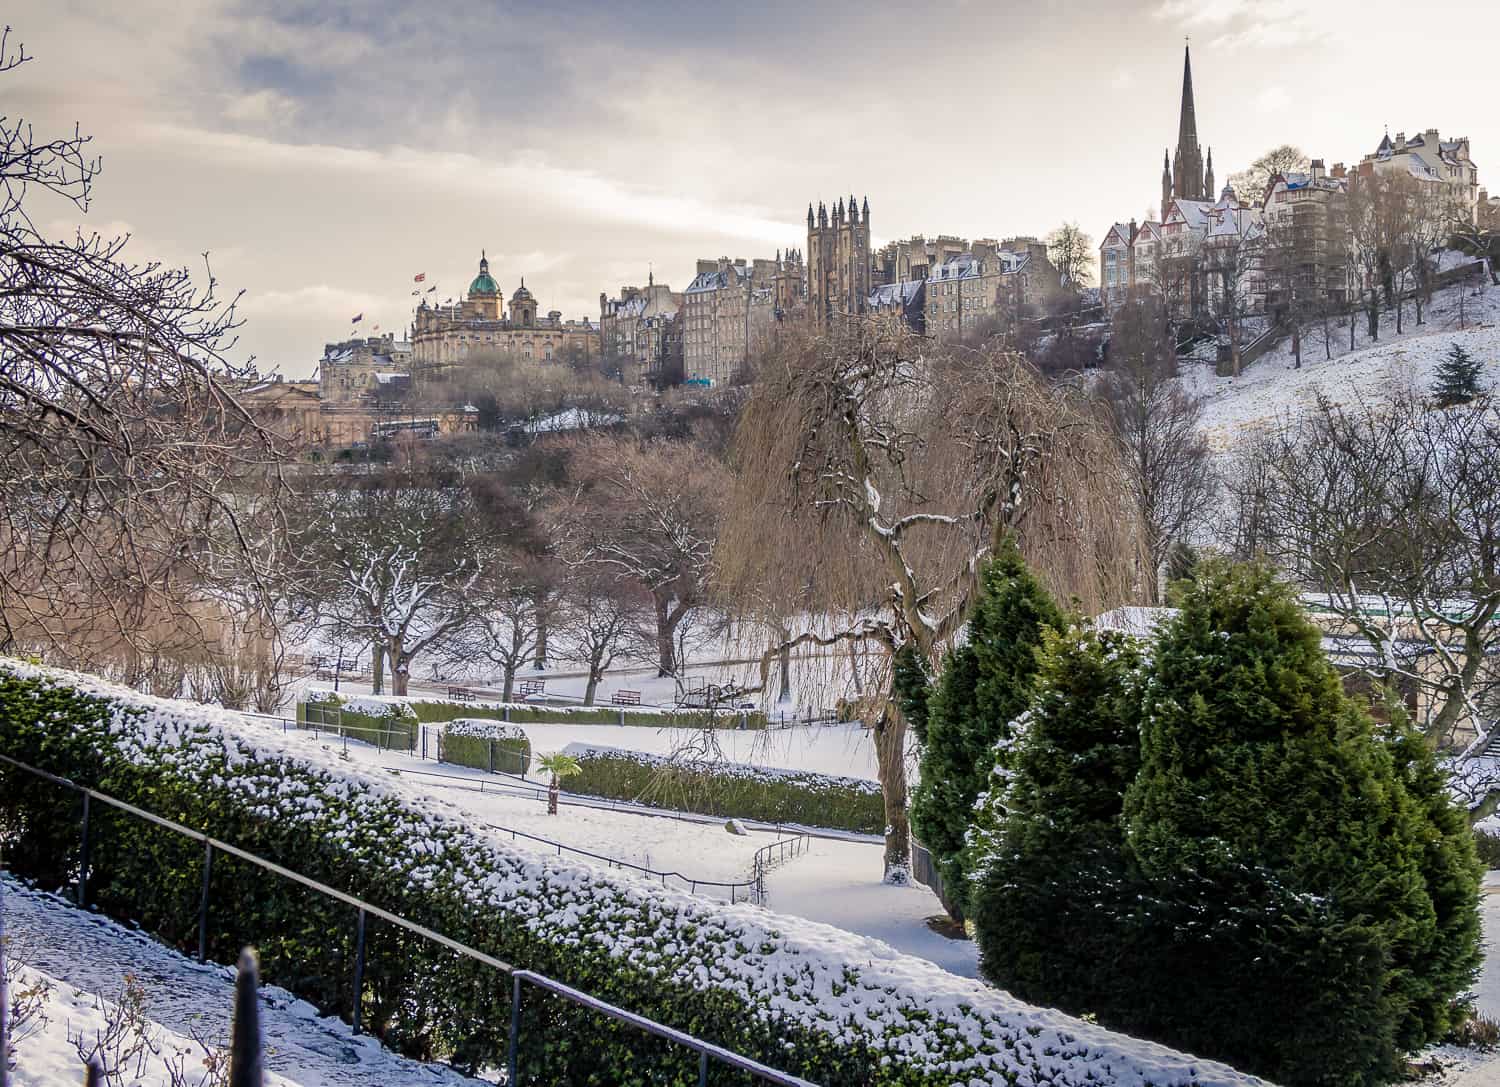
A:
(1072, 253)
(389, 563)
(1390, 514)
(899, 465)
(126, 461)
(502, 625)
(648, 513)
(1157, 425)
(1252, 183)
(600, 617)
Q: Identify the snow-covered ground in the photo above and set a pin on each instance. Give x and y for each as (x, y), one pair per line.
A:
(88, 956)
(1271, 389)
(1466, 1067)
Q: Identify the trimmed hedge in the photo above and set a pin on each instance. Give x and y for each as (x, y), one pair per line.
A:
(730, 789)
(387, 725)
(438, 710)
(828, 1006)
(484, 745)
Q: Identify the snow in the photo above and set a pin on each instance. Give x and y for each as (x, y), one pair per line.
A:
(1270, 391)
(1466, 1067)
(84, 953)
(825, 979)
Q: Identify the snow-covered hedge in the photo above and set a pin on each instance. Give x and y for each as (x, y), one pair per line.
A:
(830, 1006)
(485, 745)
(430, 709)
(387, 723)
(731, 789)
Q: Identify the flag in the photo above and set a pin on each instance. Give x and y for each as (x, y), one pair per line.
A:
(432, 288)
(419, 277)
(358, 317)
(416, 292)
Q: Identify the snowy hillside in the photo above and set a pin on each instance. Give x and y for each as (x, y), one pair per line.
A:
(1271, 390)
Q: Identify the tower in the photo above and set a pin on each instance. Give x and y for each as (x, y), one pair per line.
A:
(1190, 181)
(838, 262)
(484, 292)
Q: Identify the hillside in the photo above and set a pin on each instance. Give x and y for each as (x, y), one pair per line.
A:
(1271, 390)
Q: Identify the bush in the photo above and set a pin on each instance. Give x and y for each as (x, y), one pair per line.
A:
(1046, 854)
(1487, 846)
(797, 996)
(1308, 916)
(986, 683)
(484, 745)
(389, 725)
(436, 711)
(730, 789)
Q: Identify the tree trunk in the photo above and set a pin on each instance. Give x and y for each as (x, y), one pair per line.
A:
(552, 791)
(595, 672)
(395, 653)
(786, 676)
(541, 633)
(890, 754)
(377, 668)
(666, 648)
(508, 672)
(1297, 342)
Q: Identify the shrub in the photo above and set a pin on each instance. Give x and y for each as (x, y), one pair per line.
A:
(1294, 925)
(798, 996)
(1487, 847)
(730, 789)
(1046, 855)
(437, 710)
(484, 745)
(388, 724)
(986, 683)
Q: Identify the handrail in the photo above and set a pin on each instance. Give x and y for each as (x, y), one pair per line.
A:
(577, 996)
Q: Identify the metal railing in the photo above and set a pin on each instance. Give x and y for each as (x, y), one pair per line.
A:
(211, 845)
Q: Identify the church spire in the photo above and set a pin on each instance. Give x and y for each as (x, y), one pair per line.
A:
(1187, 125)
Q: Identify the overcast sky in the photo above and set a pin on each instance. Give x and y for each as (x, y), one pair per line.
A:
(323, 153)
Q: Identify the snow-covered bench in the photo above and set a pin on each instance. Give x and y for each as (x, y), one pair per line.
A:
(626, 698)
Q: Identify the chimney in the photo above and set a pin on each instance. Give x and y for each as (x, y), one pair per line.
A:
(1338, 172)
(1317, 169)
(1401, 141)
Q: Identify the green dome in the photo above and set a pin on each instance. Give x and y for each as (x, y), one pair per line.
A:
(484, 283)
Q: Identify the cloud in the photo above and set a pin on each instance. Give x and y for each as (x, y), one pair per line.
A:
(262, 107)
(1272, 99)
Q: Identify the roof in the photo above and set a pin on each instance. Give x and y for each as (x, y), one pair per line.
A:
(892, 294)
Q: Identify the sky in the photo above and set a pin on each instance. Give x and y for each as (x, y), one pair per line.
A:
(322, 154)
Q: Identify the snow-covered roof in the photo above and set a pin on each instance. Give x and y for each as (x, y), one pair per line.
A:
(1119, 234)
(892, 294)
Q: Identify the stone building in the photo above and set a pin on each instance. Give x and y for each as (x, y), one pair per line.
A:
(444, 337)
(1307, 239)
(641, 332)
(357, 369)
(838, 262)
(1443, 168)
(731, 311)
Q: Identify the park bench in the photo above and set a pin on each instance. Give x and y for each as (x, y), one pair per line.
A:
(626, 698)
(530, 687)
(460, 694)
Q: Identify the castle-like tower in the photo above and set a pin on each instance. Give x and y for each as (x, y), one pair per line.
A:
(1185, 176)
(838, 262)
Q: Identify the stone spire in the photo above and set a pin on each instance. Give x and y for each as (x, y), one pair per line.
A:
(1187, 124)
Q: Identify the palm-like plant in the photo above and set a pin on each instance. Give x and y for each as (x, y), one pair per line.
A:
(559, 766)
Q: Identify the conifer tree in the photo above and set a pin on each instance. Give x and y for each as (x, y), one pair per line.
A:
(1457, 378)
(1283, 849)
(986, 683)
(1046, 854)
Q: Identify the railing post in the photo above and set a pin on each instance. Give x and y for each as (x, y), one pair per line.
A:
(208, 868)
(515, 1031)
(703, 1068)
(83, 865)
(359, 966)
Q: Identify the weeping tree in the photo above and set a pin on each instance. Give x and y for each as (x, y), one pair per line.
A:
(899, 465)
(134, 486)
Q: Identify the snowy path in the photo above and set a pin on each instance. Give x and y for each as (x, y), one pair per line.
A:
(93, 954)
(1465, 1067)
(839, 884)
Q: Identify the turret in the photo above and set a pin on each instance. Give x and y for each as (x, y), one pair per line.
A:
(853, 209)
(865, 211)
(1208, 176)
(809, 217)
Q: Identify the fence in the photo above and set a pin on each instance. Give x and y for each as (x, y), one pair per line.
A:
(925, 872)
(211, 846)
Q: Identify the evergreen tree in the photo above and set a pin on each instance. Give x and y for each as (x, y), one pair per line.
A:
(1457, 378)
(1284, 852)
(986, 683)
(912, 684)
(1049, 876)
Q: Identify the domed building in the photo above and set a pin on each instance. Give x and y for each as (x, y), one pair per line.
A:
(476, 330)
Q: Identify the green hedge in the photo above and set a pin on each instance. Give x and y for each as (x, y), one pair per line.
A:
(806, 999)
(485, 746)
(394, 730)
(732, 790)
(436, 711)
